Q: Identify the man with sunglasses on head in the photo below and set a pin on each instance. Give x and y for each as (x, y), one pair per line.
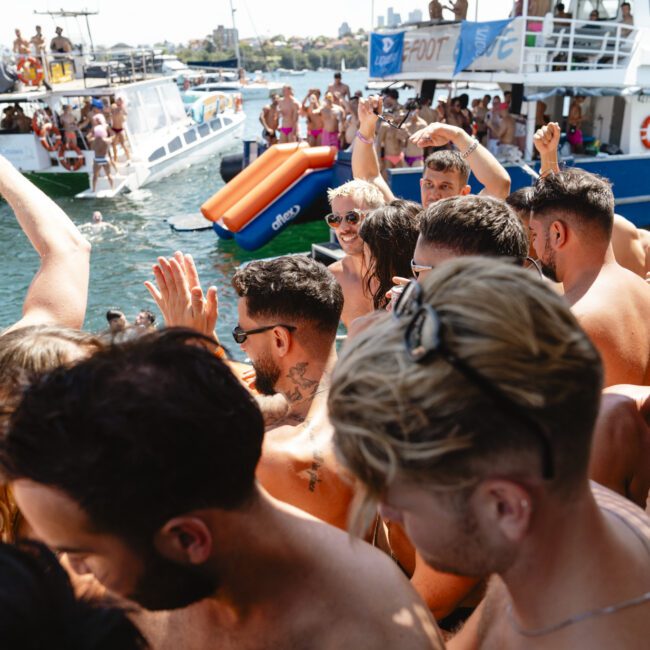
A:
(350, 203)
(440, 178)
(467, 416)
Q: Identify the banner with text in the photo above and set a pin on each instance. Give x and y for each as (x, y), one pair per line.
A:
(475, 40)
(435, 49)
(386, 51)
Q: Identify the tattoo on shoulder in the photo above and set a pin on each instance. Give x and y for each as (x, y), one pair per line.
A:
(317, 462)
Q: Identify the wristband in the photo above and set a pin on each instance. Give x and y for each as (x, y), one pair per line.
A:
(470, 150)
(363, 138)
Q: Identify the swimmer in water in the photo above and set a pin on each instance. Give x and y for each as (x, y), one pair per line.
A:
(98, 225)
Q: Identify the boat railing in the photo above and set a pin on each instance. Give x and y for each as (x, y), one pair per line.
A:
(122, 65)
(564, 44)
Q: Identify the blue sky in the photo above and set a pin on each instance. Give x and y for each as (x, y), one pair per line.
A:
(145, 21)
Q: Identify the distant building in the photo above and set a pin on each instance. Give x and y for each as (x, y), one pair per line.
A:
(415, 16)
(392, 19)
(380, 21)
(344, 30)
(225, 37)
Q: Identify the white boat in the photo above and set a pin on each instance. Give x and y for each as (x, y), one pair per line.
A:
(256, 89)
(162, 137)
(548, 59)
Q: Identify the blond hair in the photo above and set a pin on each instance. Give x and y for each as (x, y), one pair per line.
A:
(364, 192)
(426, 422)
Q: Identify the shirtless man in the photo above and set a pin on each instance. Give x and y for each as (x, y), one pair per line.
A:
(413, 154)
(459, 9)
(426, 112)
(38, 42)
(100, 143)
(631, 246)
(350, 203)
(484, 495)
(339, 87)
(351, 120)
(181, 535)
(69, 125)
(290, 111)
(439, 179)
(270, 120)
(21, 45)
(435, 10)
(312, 112)
(118, 124)
(392, 143)
(571, 225)
(60, 44)
(58, 292)
(332, 122)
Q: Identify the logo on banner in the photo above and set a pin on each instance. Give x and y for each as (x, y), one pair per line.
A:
(386, 54)
(475, 41)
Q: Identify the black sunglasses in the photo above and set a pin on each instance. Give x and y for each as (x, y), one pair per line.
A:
(240, 335)
(423, 339)
(353, 218)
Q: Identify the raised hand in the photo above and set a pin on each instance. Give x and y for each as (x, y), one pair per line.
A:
(179, 295)
(547, 139)
(369, 109)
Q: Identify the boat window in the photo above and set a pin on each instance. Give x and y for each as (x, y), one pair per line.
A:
(215, 124)
(204, 129)
(158, 153)
(172, 101)
(227, 120)
(175, 145)
(190, 136)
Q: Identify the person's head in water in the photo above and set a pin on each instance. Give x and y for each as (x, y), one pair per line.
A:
(572, 216)
(145, 319)
(289, 310)
(138, 463)
(116, 321)
(456, 421)
(97, 216)
(39, 609)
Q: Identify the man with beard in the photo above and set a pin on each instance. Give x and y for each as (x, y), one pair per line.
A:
(572, 215)
(438, 179)
(350, 203)
(467, 416)
(151, 488)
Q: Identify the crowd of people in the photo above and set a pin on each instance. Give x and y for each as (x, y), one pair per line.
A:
(484, 430)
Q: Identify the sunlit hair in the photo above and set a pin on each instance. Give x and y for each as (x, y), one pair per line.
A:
(425, 422)
(363, 192)
(390, 233)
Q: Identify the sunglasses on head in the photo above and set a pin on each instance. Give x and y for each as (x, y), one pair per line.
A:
(240, 335)
(353, 218)
(423, 339)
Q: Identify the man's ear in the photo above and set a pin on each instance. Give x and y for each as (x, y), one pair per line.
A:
(184, 540)
(505, 507)
(558, 234)
(282, 341)
(466, 190)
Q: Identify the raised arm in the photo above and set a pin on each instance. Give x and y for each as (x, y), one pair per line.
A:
(546, 142)
(365, 165)
(487, 169)
(59, 290)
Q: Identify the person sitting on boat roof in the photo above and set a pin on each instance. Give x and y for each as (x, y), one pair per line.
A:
(440, 179)
(21, 45)
(459, 9)
(627, 18)
(38, 42)
(572, 215)
(58, 293)
(60, 44)
(339, 87)
(560, 12)
(474, 434)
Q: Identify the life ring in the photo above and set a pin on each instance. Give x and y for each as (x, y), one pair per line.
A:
(72, 163)
(238, 103)
(39, 120)
(47, 132)
(30, 71)
(645, 135)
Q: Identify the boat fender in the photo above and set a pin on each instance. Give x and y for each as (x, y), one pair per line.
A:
(71, 163)
(50, 137)
(30, 71)
(645, 135)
